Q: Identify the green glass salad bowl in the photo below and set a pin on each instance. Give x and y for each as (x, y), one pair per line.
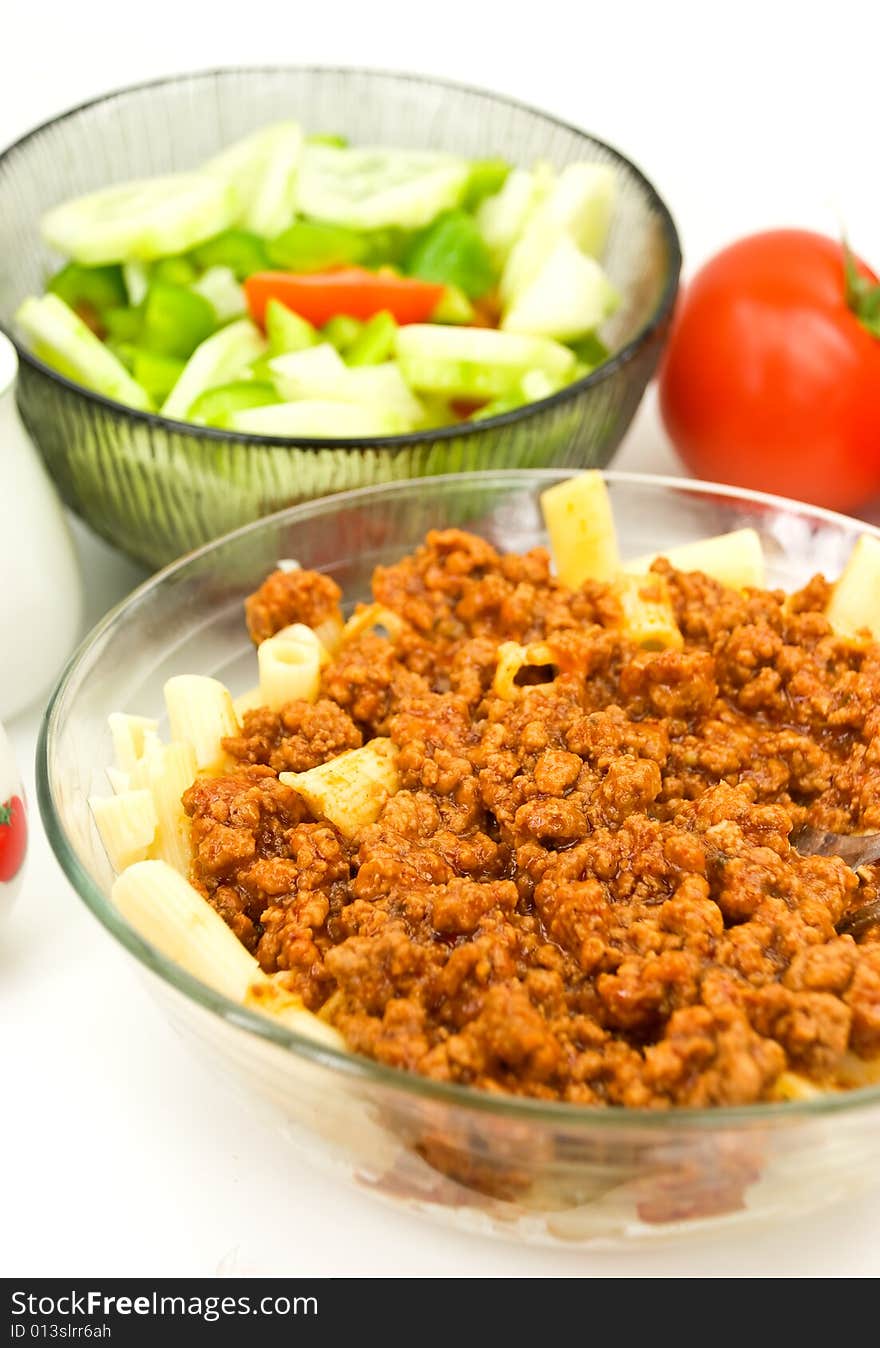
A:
(155, 487)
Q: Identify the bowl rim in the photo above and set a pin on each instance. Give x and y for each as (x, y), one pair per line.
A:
(155, 421)
(349, 1064)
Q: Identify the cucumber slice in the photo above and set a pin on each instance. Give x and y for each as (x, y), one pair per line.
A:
(502, 217)
(577, 204)
(476, 363)
(569, 296)
(140, 220)
(219, 287)
(374, 188)
(261, 171)
(316, 374)
(286, 330)
(316, 418)
(60, 338)
(220, 359)
(305, 374)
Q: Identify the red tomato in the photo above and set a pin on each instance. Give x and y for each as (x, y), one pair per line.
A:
(13, 837)
(770, 379)
(320, 296)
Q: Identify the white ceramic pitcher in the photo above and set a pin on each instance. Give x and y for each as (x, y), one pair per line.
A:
(40, 589)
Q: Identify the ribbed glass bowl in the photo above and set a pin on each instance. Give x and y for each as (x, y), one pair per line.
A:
(157, 488)
(500, 1164)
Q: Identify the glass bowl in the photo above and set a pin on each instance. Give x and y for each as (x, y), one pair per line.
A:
(156, 488)
(501, 1164)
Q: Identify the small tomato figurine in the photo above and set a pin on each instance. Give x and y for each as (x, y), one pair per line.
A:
(13, 825)
(771, 378)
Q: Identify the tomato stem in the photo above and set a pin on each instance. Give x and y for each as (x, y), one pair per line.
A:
(862, 295)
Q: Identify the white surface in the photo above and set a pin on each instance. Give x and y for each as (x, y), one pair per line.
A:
(121, 1155)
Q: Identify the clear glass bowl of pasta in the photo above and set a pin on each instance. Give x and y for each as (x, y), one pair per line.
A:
(500, 1164)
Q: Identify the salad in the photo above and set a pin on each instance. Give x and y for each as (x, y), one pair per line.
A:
(300, 286)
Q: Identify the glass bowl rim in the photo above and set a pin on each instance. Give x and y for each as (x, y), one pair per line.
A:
(155, 421)
(354, 1066)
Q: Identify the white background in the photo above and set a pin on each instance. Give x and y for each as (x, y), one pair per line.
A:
(121, 1156)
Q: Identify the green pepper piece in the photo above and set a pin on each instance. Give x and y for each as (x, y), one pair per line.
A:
(123, 324)
(215, 406)
(311, 245)
(176, 320)
(96, 288)
(487, 176)
(123, 351)
(243, 252)
(327, 138)
(590, 350)
(177, 271)
(454, 307)
(342, 331)
(452, 250)
(156, 373)
(286, 330)
(497, 407)
(386, 247)
(375, 342)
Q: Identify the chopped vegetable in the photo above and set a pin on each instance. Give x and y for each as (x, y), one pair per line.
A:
(220, 358)
(312, 245)
(123, 325)
(216, 406)
(96, 288)
(501, 218)
(358, 293)
(486, 178)
(238, 249)
(61, 339)
(454, 307)
(315, 419)
(261, 172)
(177, 271)
(372, 188)
(374, 344)
(452, 251)
(476, 363)
(285, 330)
(569, 295)
(176, 320)
(342, 331)
(219, 287)
(320, 373)
(155, 372)
(152, 218)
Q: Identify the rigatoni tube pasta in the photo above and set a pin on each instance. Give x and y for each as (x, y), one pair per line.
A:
(735, 559)
(174, 917)
(512, 659)
(580, 523)
(127, 823)
(200, 711)
(855, 604)
(349, 791)
(129, 734)
(648, 615)
(290, 666)
(167, 771)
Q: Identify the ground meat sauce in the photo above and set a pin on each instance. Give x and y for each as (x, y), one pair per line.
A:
(586, 893)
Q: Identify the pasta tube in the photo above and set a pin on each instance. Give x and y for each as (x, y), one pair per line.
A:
(127, 824)
(735, 559)
(369, 616)
(648, 615)
(512, 658)
(167, 771)
(329, 633)
(129, 734)
(119, 780)
(351, 789)
(164, 908)
(583, 539)
(794, 1086)
(200, 711)
(175, 918)
(855, 603)
(290, 666)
